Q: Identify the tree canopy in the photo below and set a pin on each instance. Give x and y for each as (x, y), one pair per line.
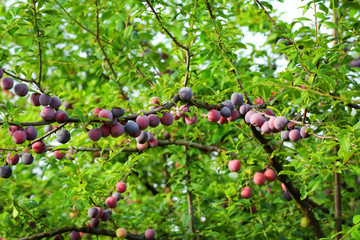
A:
(159, 114)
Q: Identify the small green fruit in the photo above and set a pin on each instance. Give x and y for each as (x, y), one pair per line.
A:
(304, 222)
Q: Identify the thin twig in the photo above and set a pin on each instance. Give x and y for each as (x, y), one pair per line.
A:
(164, 28)
(39, 44)
(82, 26)
(316, 27)
(104, 53)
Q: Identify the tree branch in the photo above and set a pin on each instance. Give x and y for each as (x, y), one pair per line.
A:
(39, 44)
(125, 97)
(165, 29)
(93, 231)
(304, 205)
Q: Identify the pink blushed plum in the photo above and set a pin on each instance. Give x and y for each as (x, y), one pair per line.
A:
(246, 193)
(167, 119)
(234, 115)
(150, 234)
(19, 137)
(142, 121)
(270, 175)
(121, 187)
(234, 165)
(259, 178)
(214, 115)
(111, 202)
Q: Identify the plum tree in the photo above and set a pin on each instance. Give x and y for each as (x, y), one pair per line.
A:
(63, 136)
(89, 55)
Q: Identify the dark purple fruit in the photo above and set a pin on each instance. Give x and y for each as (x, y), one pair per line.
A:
(185, 94)
(117, 196)
(31, 132)
(21, 89)
(94, 222)
(167, 119)
(117, 112)
(5, 172)
(229, 104)
(34, 99)
(93, 212)
(142, 138)
(47, 114)
(237, 99)
(7, 83)
(45, 99)
(61, 116)
(105, 130)
(27, 159)
(225, 112)
(142, 121)
(94, 134)
(154, 120)
(132, 128)
(287, 196)
(55, 103)
(285, 135)
(117, 130)
(63, 136)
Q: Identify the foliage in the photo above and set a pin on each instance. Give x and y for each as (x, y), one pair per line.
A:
(99, 53)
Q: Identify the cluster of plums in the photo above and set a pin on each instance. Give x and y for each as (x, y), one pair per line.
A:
(97, 214)
(259, 177)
